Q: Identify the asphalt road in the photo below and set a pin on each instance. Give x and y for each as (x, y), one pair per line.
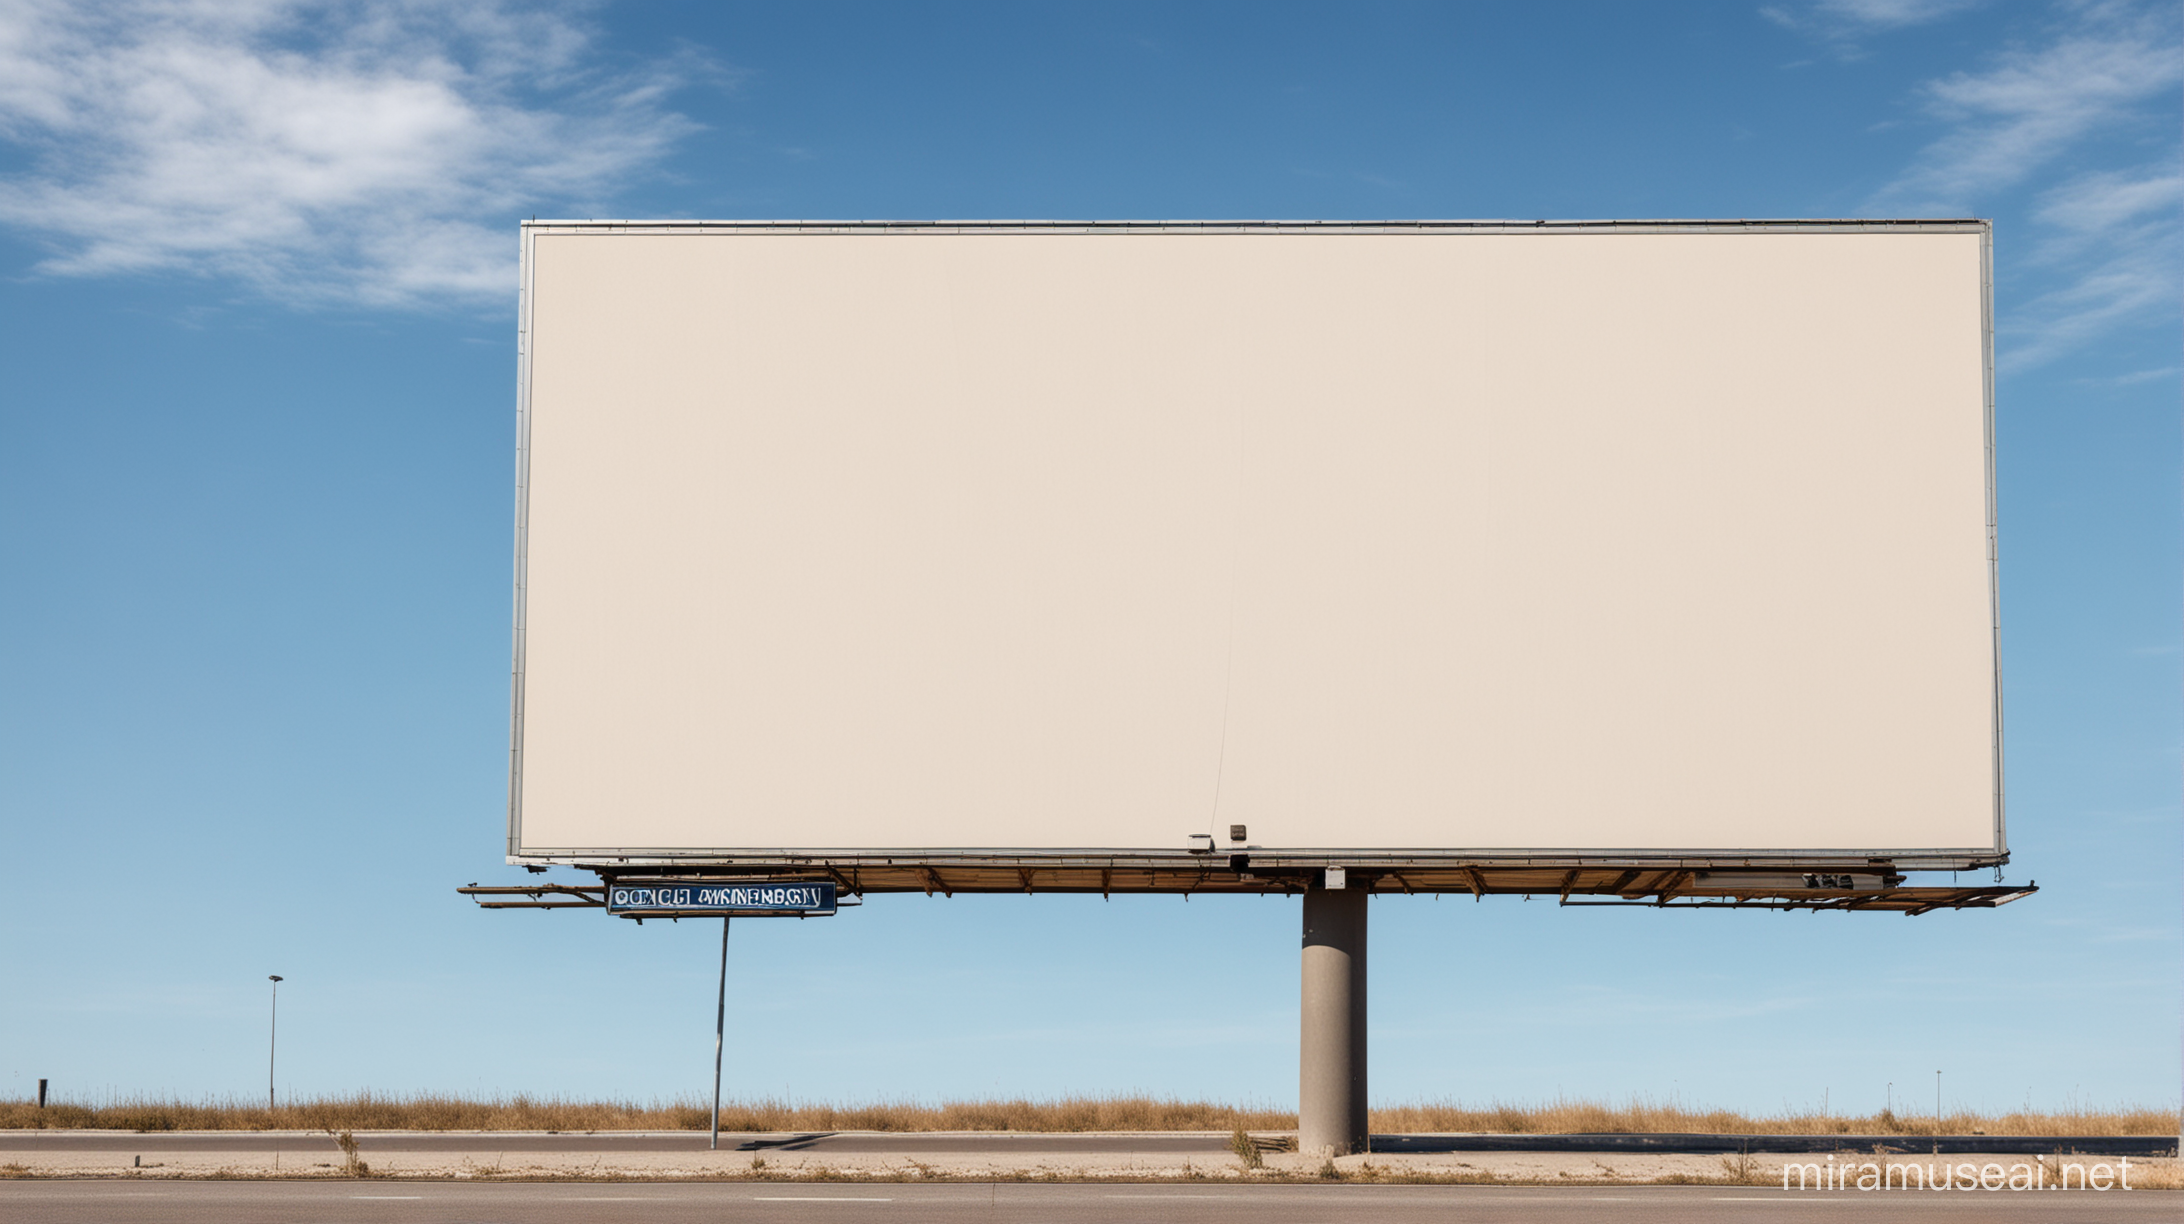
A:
(130, 1143)
(112, 1202)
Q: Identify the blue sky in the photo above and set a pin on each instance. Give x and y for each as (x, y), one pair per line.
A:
(257, 266)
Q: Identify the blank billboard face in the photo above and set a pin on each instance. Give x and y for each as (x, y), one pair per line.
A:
(1578, 540)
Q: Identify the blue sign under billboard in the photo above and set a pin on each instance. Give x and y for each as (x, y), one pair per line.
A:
(729, 899)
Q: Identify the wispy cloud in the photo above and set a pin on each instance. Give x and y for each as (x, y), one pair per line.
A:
(1887, 14)
(1841, 23)
(2097, 203)
(2114, 235)
(2013, 120)
(365, 151)
(2100, 86)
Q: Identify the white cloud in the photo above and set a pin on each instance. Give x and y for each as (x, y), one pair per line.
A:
(1890, 14)
(2010, 121)
(369, 151)
(2129, 288)
(2104, 202)
(1841, 22)
(2103, 241)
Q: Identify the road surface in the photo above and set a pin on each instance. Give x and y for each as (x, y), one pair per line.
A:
(939, 1144)
(132, 1202)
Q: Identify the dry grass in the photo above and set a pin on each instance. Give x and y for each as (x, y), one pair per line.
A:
(364, 1111)
(1641, 1116)
(431, 1112)
(1066, 1114)
(352, 1164)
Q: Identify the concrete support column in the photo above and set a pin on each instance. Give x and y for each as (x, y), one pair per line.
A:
(1331, 1045)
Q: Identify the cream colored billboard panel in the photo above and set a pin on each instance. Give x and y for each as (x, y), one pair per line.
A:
(1581, 541)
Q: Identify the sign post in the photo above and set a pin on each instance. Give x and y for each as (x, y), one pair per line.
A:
(727, 899)
(720, 1026)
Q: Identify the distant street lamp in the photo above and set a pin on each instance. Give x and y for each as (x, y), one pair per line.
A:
(272, 1039)
(1937, 1113)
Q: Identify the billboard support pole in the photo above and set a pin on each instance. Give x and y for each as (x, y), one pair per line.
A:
(1331, 1117)
(720, 1026)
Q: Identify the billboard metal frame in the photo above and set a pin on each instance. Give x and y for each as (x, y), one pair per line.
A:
(1628, 873)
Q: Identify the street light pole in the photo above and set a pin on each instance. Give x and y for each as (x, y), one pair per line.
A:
(272, 1039)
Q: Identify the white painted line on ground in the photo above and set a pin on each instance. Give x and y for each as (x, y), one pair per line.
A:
(1782, 1198)
(386, 1196)
(812, 1198)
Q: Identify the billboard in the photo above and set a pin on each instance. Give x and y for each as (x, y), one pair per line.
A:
(996, 545)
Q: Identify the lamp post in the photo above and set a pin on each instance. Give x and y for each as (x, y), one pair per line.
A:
(272, 1039)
